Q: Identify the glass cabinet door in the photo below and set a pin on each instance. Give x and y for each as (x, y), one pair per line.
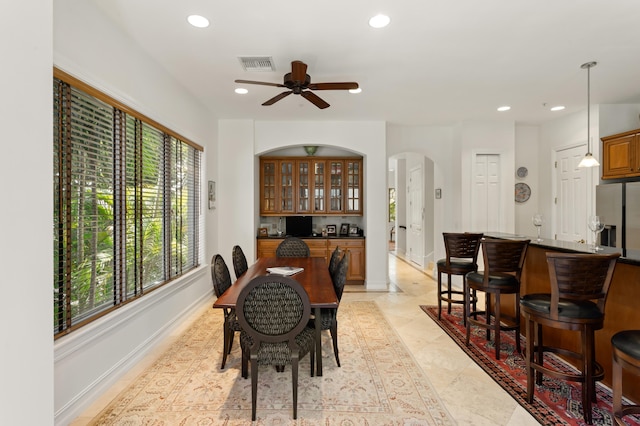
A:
(354, 186)
(268, 202)
(336, 185)
(319, 186)
(287, 183)
(304, 187)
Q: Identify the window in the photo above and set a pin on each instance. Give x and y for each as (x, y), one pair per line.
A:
(392, 204)
(126, 208)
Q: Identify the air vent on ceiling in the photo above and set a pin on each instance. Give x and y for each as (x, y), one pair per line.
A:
(257, 63)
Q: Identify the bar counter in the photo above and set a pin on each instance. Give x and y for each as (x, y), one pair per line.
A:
(622, 310)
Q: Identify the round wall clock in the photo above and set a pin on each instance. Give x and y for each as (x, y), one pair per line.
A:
(522, 172)
(523, 192)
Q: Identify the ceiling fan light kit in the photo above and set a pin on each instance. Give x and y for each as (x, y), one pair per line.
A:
(298, 82)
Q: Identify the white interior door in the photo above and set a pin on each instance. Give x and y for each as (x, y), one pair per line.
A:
(485, 214)
(415, 240)
(571, 195)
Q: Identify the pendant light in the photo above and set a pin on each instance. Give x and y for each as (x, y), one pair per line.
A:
(588, 160)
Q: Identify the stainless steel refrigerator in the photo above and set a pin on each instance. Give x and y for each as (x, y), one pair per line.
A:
(618, 205)
(610, 208)
(632, 220)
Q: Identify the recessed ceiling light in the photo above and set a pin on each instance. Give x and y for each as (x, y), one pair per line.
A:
(358, 90)
(379, 21)
(198, 21)
(557, 108)
(504, 108)
(241, 91)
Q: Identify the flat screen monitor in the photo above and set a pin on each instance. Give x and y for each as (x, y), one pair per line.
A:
(299, 226)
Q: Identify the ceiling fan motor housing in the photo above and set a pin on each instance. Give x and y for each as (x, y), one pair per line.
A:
(296, 86)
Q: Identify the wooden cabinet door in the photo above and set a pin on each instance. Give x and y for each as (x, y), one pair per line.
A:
(287, 184)
(304, 188)
(267, 248)
(319, 186)
(620, 156)
(353, 191)
(268, 189)
(355, 249)
(336, 186)
(317, 247)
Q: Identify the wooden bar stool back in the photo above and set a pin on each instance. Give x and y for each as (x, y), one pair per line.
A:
(579, 287)
(626, 354)
(461, 251)
(503, 262)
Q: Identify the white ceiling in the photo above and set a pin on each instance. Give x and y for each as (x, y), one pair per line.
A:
(438, 62)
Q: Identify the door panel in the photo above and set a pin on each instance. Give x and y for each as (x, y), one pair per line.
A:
(571, 205)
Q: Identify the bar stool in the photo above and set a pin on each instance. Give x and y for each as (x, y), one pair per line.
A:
(461, 258)
(503, 261)
(579, 287)
(626, 354)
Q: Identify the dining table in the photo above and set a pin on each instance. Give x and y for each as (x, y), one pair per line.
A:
(314, 278)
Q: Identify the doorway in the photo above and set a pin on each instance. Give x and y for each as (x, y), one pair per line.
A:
(571, 195)
(485, 196)
(415, 238)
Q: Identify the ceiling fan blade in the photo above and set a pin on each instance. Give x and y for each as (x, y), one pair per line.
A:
(298, 71)
(277, 98)
(263, 83)
(333, 86)
(314, 99)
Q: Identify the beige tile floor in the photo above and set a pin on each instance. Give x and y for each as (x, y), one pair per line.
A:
(471, 396)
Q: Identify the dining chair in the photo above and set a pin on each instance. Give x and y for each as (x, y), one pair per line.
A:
(239, 261)
(334, 260)
(579, 287)
(329, 316)
(293, 247)
(503, 262)
(221, 282)
(274, 313)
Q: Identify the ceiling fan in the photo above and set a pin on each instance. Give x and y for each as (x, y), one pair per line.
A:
(299, 83)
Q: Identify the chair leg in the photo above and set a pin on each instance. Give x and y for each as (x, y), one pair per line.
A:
(439, 295)
(496, 330)
(449, 293)
(539, 352)
(245, 364)
(487, 313)
(616, 370)
(225, 343)
(334, 337)
(588, 389)
(294, 383)
(467, 316)
(254, 385)
(517, 330)
(529, 332)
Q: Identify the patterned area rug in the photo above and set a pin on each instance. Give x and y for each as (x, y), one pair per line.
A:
(379, 382)
(556, 401)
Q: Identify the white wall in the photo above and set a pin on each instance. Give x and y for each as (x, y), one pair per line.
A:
(89, 360)
(489, 138)
(26, 390)
(527, 156)
(365, 138)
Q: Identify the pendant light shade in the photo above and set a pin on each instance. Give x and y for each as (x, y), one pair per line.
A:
(588, 160)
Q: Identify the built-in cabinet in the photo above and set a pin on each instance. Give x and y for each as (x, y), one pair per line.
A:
(323, 247)
(621, 155)
(310, 186)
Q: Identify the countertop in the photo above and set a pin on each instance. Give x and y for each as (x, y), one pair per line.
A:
(564, 246)
(317, 237)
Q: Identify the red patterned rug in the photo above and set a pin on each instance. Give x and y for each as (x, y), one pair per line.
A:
(556, 402)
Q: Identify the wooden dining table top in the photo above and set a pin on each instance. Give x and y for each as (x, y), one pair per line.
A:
(315, 279)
